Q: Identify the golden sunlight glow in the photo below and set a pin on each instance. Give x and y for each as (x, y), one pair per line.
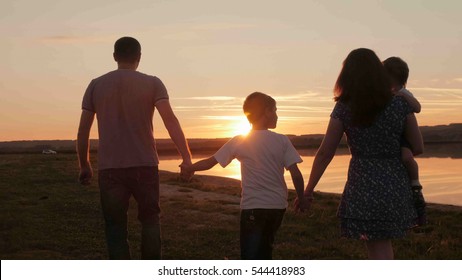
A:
(233, 170)
(240, 126)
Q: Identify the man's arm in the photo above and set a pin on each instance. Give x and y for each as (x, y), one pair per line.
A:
(174, 130)
(83, 146)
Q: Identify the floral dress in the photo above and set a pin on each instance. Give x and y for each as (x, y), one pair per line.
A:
(376, 203)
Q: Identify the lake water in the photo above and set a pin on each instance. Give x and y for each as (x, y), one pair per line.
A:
(440, 172)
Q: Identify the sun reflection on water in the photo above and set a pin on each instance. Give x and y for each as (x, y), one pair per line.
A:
(441, 177)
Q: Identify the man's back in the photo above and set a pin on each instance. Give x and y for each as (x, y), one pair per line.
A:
(124, 101)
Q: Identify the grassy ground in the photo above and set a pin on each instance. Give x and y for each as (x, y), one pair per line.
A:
(46, 214)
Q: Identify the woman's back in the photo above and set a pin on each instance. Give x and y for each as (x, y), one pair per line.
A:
(377, 193)
(382, 138)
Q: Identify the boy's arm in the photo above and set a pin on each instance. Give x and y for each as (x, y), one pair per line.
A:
(410, 99)
(297, 179)
(301, 203)
(204, 164)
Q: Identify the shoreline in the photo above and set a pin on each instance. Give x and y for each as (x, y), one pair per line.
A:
(434, 138)
(432, 149)
(222, 185)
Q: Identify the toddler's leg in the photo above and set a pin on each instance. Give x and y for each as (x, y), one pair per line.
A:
(411, 165)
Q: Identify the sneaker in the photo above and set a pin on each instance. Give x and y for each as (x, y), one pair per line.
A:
(419, 205)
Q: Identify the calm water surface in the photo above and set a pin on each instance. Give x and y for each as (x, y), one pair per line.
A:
(440, 173)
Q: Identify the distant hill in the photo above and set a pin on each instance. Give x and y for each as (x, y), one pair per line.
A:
(442, 133)
(37, 146)
(431, 134)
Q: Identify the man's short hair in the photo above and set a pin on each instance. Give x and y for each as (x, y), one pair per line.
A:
(127, 49)
(397, 69)
(256, 104)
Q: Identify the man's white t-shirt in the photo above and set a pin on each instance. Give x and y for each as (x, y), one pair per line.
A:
(263, 155)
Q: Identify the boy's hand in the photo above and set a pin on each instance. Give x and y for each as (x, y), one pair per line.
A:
(398, 93)
(402, 92)
(304, 204)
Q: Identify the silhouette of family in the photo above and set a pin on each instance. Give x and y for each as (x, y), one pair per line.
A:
(382, 198)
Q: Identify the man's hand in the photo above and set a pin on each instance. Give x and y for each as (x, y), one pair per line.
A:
(85, 175)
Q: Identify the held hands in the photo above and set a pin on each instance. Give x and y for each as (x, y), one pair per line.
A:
(186, 173)
(304, 204)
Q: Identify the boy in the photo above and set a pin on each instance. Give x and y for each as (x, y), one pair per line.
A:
(399, 73)
(263, 155)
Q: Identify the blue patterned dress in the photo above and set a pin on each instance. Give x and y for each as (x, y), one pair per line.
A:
(377, 200)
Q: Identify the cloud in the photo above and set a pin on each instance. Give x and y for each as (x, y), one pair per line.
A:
(458, 80)
(209, 130)
(198, 109)
(59, 38)
(223, 118)
(190, 32)
(220, 26)
(439, 90)
(181, 36)
(299, 97)
(284, 118)
(67, 39)
(301, 103)
(302, 119)
(304, 109)
(212, 98)
(207, 107)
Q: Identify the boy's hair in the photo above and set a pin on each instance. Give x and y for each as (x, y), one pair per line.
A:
(127, 49)
(397, 69)
(255, 105)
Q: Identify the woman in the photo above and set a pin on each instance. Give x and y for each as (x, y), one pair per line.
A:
(376, 204)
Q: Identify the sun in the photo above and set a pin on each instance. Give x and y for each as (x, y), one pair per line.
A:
(240, 126)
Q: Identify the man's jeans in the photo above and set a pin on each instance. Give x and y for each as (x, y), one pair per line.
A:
(116, 187)
(258, 229)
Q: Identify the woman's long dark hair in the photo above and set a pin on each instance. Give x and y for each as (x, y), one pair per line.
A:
(363, 85)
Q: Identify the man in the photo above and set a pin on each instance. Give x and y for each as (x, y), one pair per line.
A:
(124, 101)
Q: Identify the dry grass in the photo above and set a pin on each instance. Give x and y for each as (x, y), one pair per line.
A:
(45, 214)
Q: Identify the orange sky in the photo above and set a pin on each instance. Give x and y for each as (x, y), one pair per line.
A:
(211, 55)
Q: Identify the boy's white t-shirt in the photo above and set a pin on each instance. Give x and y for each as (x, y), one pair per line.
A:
(263, 155)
